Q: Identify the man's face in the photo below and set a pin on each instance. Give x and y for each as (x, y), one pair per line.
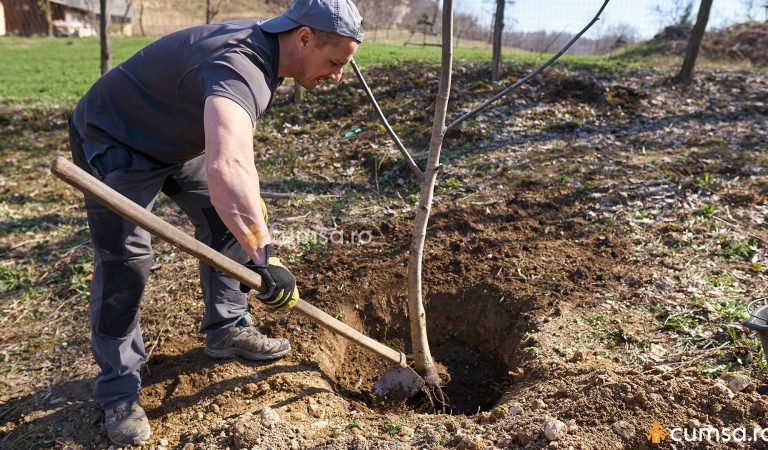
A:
(326, 62)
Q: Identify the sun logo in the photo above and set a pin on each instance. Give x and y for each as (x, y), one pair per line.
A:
(656, 434)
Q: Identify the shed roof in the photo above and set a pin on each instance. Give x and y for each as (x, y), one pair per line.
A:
(116, 7)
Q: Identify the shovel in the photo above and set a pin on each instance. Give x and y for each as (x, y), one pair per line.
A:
(399, 381)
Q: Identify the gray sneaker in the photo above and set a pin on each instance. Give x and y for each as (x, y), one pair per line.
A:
(244, 340)
(127, 424)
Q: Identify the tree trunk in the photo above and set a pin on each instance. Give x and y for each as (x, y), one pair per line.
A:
(48, 13)
(498, 33)
(692, 51)
(207, 11)
(141, 17)
(106, 42)
(425, 364)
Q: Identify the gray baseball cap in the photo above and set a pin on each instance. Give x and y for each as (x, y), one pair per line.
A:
(334, 16)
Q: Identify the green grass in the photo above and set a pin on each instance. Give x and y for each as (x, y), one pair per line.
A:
(54, 71)
(49, 72)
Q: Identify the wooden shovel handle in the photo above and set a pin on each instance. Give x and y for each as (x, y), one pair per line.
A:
(85, 182)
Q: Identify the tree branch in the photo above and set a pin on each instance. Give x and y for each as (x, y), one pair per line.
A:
(411, 164)
(538, 70)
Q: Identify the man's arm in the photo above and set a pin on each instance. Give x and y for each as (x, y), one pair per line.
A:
(233, 182)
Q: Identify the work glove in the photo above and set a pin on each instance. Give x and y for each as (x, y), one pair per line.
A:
(281, 292)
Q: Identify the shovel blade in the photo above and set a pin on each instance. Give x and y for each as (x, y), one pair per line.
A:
(398, 381)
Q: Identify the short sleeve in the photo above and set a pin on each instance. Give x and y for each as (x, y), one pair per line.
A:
(235, 77)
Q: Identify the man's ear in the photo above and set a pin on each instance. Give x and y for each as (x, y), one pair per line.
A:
(304, 37)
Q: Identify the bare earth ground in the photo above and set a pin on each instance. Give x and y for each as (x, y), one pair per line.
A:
(596, 243)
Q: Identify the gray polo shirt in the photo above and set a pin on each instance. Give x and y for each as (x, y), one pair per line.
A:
(153, 102)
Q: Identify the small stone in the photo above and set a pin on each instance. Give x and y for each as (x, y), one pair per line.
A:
(189, 446)
(721, 390)
(739, 383)
(246, 432)
(657, 350)
(163, 442)
(294, 444)
(68, 430)
(199, 415)
(694, 423)
(250, 389)
(405, 431)
(539, 404)
(515, 409)
(624, 429)
(319, 424)
(356, 431)
(555, 429)
(579, 355)
(315, 411)
(215, 408)
(269, 415)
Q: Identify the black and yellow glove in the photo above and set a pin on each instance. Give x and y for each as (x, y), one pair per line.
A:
(281, 290)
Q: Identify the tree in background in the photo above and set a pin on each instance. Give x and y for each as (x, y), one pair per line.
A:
(498, 34)
(105, 40)
(211, 11)
(694, 43)
(674, 13)
(383, 14)
(45, 5)
(751, 9)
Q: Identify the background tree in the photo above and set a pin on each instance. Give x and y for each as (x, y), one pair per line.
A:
(498, 34)
(141, 18)
(106, 41)
(211, 11)
(694, 43)
(383, 14)
(674, 12)
(45, 5)
(751, 9)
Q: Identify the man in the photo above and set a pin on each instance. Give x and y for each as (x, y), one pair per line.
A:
(178, 117)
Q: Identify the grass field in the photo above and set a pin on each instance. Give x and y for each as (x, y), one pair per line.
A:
(51, 72)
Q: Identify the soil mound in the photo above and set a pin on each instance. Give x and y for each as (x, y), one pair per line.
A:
(740, 42)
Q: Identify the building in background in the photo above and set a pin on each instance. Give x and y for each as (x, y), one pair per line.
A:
(2, 19)
(71, 18)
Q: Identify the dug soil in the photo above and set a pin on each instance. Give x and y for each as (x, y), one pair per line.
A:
(595, 245)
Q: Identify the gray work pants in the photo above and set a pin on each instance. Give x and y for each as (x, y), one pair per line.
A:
(123, 257)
